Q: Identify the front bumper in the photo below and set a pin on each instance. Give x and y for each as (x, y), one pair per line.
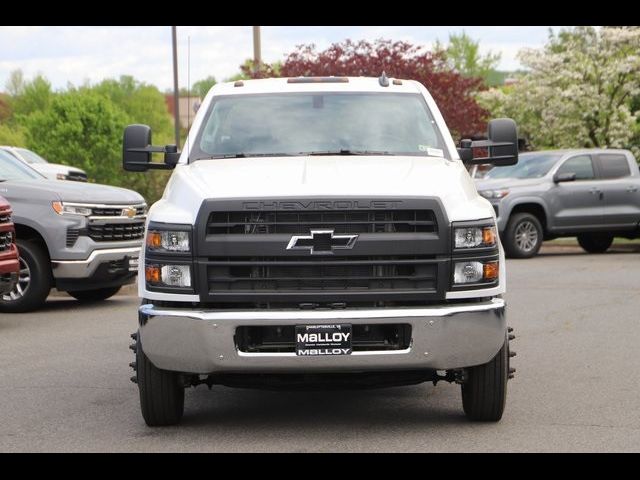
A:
(443, 337)
(87, 268)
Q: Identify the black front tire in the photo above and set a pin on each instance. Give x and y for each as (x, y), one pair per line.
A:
(484, 392)
(523, 236)
(96, 295)
(595, 242)
(36, 267)
(161, 394)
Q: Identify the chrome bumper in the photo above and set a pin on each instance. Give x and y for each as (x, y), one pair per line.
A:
(443, 337)
(86, 268)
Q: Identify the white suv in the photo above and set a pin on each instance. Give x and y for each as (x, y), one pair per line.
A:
(53, 171)
(320, 230)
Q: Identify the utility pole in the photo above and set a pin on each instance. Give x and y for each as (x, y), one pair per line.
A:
(176, 92)
(257, 60)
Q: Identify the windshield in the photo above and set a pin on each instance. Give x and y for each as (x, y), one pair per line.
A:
(13, 169)
(530, 165)
(31, 157)
(318, 123)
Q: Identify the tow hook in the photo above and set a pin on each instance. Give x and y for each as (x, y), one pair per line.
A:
(134, 364)
(512, 353)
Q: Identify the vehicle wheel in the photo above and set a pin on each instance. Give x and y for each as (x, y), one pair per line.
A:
(484, 392)
(595, 242)
(34, 280)
(161, 395)
(524, 236)
(96, 295)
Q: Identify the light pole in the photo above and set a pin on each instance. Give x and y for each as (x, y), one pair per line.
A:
(257, 60)
(176, 98)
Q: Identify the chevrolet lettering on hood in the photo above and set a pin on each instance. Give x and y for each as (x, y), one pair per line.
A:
(323, 205)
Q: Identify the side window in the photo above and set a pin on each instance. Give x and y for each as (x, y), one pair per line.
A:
(613, 166)
(580, 165)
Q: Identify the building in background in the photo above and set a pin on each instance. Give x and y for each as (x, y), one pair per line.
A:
(188, 106)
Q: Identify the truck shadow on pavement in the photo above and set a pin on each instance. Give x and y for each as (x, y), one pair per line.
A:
(59, 302)
(317, 411)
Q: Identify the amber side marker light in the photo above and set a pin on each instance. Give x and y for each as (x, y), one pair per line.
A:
(152, 273)
(489, 235)
(154, 239)
(490, 271)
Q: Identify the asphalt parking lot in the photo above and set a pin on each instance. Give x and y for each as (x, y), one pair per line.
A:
(64, 381)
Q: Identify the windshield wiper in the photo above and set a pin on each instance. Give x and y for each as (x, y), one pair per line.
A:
(245, 155)
(345, 151)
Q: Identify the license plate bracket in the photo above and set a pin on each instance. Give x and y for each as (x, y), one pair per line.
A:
(316, 340)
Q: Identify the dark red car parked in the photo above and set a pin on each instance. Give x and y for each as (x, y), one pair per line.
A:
(9, 265)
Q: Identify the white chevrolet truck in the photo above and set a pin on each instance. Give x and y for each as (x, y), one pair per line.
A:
(321, 231)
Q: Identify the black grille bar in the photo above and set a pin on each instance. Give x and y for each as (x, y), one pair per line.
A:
(115, 231)
(326, 280)
(349, 221)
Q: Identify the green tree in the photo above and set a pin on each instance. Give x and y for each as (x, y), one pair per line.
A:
(463, 56)
(202, 87)
(29, 96)
(579, 90)
(141, 102)
(84, 128)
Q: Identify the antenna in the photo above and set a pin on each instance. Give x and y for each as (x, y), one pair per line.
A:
(188, 94)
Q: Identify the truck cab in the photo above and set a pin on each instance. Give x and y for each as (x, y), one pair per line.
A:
(320, 230)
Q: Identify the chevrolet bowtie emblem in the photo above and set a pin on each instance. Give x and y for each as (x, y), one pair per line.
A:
(322, 242)
(129, 212)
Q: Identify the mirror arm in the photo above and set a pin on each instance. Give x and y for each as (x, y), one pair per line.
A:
(171, 157)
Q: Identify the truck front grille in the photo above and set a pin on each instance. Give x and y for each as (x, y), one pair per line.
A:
(281, 339)
(6, 239)
(109, 232)
(346, 221)
(399, 256)
(334, 274)
(114, 211)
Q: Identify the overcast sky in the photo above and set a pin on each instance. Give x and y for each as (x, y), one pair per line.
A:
(78, 54)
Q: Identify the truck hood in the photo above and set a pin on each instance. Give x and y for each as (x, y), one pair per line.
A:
(498, 183)
(67, 191)
(330, 176)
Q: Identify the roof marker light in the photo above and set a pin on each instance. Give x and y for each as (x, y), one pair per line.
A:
(318, 80)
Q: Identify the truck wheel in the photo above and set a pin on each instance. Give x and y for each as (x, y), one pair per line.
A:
(595, 242)
(484, 393)
(523, 236)
(34, 280)
(161, 395)
(86, 296)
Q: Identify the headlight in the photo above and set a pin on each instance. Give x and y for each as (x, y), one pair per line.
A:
(168, 275)
(60, 208)
(494, 194)
(168, 241)
(473, 271)
(475, 237)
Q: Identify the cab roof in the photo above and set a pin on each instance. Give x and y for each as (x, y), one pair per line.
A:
(315, 84)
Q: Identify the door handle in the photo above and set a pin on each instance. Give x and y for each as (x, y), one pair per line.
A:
(632, 189)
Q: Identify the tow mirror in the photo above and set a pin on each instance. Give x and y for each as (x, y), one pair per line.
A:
(564, 177)
(137, 150)
(502, 145)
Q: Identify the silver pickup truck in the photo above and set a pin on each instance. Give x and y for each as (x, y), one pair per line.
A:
(593, 194)
(81, 238)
